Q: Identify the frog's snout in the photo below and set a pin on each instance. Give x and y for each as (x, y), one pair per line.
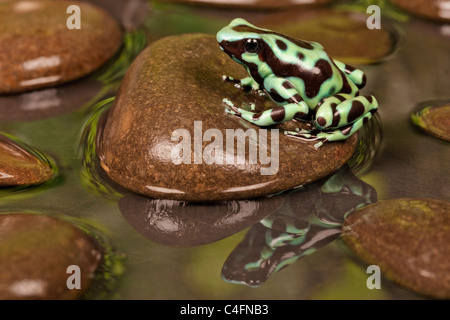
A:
(224, 45)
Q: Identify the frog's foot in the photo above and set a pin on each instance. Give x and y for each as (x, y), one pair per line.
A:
(231, 108)
(307, 135)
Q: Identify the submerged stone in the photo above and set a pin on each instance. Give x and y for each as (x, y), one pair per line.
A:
(158, 136)
(35, 254)
(19, 166)
(39, 50)
(408, 239)
(434, 120)
(344, 34)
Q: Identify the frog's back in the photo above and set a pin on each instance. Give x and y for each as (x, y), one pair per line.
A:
(306, 65)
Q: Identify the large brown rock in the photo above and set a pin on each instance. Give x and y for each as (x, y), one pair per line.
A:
(19, 166)
(39, 50)
(35, 253)
(408, 239)
(175, 82)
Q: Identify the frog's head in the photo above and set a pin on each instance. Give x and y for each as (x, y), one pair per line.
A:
(242, 41)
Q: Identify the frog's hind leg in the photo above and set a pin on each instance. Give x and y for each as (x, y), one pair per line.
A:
(342, 133)
(269, 117)
(338, 117)
(356, 75)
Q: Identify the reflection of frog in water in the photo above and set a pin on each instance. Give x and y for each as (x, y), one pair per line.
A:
(301, 78)
(310, 219)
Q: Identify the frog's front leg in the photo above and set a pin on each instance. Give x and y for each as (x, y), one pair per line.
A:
(247, 84)
(284, 93)
(338, 117)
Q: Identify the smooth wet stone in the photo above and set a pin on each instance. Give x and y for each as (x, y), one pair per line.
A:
(432, 9)
(19, 166)
(408, 239)
(35, 252)
(39, 50)
(254, 4)
(162, 93)
(178, 223)
(344, 34)
(435, 120)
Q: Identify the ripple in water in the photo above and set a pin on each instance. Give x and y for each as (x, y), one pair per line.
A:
(368, 145)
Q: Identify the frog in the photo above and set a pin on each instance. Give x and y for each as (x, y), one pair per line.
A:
(302, 80)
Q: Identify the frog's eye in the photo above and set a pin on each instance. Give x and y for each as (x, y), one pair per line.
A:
(251, 45)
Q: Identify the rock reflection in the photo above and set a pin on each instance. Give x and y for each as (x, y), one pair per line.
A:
(309, 219)
(50, 102)
(179, 223)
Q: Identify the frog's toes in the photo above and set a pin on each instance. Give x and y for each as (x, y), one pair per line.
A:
(306, 135)
(230, 107)
(302, 133)
(227, 78)
(230, 111)
(319, 144)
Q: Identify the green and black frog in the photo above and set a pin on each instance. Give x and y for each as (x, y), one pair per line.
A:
(301, 78)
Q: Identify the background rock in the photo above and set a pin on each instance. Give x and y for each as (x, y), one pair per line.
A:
(408, 239)
(38, 49)
(20, 167)
(35, 252)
